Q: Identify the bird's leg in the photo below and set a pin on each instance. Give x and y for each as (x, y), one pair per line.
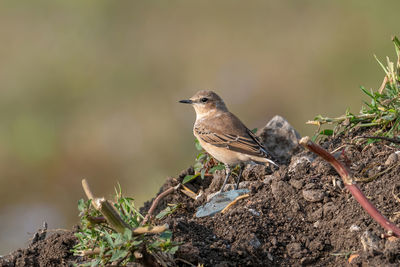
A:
(241, 166)
(228, 173)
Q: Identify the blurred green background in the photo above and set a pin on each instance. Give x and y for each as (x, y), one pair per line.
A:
(89, 89)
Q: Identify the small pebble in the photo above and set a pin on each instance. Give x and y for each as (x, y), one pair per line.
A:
(370, 241)
(298, 184)
(313, 195)
(354, 228)
(393, 158)
(255, 213)
(268, 179)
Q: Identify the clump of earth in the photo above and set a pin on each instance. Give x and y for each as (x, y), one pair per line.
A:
(299, 214)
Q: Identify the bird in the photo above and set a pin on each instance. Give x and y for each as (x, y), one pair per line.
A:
(224, 136)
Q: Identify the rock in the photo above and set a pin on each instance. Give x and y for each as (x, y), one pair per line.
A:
(280, 138)
(300, 164)
(254, 212)
(254, 241)
(294, 250)
(268, 179)
(280, 188)
(316, 245)
(313, 195)
(219, 202)
(393, 158)
(298, 184)
(354, 228)
(370, 242)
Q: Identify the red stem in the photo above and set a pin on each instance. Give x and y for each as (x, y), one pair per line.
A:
(351, 185)
(156, 200)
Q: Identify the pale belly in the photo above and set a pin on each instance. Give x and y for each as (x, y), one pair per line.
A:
(224, 155)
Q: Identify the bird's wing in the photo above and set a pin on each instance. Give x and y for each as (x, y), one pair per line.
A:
(230, 133)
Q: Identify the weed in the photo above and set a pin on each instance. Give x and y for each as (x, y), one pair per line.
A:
(383, 111)
(103, 245)
(204, 164)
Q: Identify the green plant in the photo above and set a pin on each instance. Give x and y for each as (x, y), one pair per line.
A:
(204, 164)
(104, 245)
(382, 111)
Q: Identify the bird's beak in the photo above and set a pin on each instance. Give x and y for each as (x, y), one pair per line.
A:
(188, 101)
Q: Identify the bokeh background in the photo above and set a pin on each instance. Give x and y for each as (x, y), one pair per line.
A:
(89, 89)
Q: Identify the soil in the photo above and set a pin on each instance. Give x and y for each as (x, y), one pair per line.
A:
(51, 251)
(300, 214)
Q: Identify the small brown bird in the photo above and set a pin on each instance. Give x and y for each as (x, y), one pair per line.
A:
(223, 135)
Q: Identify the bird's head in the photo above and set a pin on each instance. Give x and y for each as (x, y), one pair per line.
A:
(205, 102)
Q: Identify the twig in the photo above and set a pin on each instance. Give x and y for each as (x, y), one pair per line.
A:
(94, 251)
(186, 262)
(383, 85)
(156, 200)
(87, 190)
(188, 192)
(234, 202)
(150, 229)
(350, 184)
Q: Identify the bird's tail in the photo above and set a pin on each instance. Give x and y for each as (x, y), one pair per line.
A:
(265, 160)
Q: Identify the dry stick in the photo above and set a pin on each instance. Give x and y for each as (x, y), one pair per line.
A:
(383, 85)
(234, 202)
(87, 190)
(351, 186)
(155, 202)
(107, 209)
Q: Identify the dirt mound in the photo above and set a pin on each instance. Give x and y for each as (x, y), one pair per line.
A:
(55, 250)
(300, 214)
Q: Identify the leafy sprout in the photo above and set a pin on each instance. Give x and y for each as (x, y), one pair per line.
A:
(111, 246)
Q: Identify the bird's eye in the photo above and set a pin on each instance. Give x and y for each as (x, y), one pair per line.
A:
(204, 99)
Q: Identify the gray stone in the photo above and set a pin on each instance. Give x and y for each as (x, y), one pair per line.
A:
(254, 241)
(313, 195)
(370, 242)
(280, 138)
(393, 158)
(254, 212)
(219, 202)
(299, 164)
